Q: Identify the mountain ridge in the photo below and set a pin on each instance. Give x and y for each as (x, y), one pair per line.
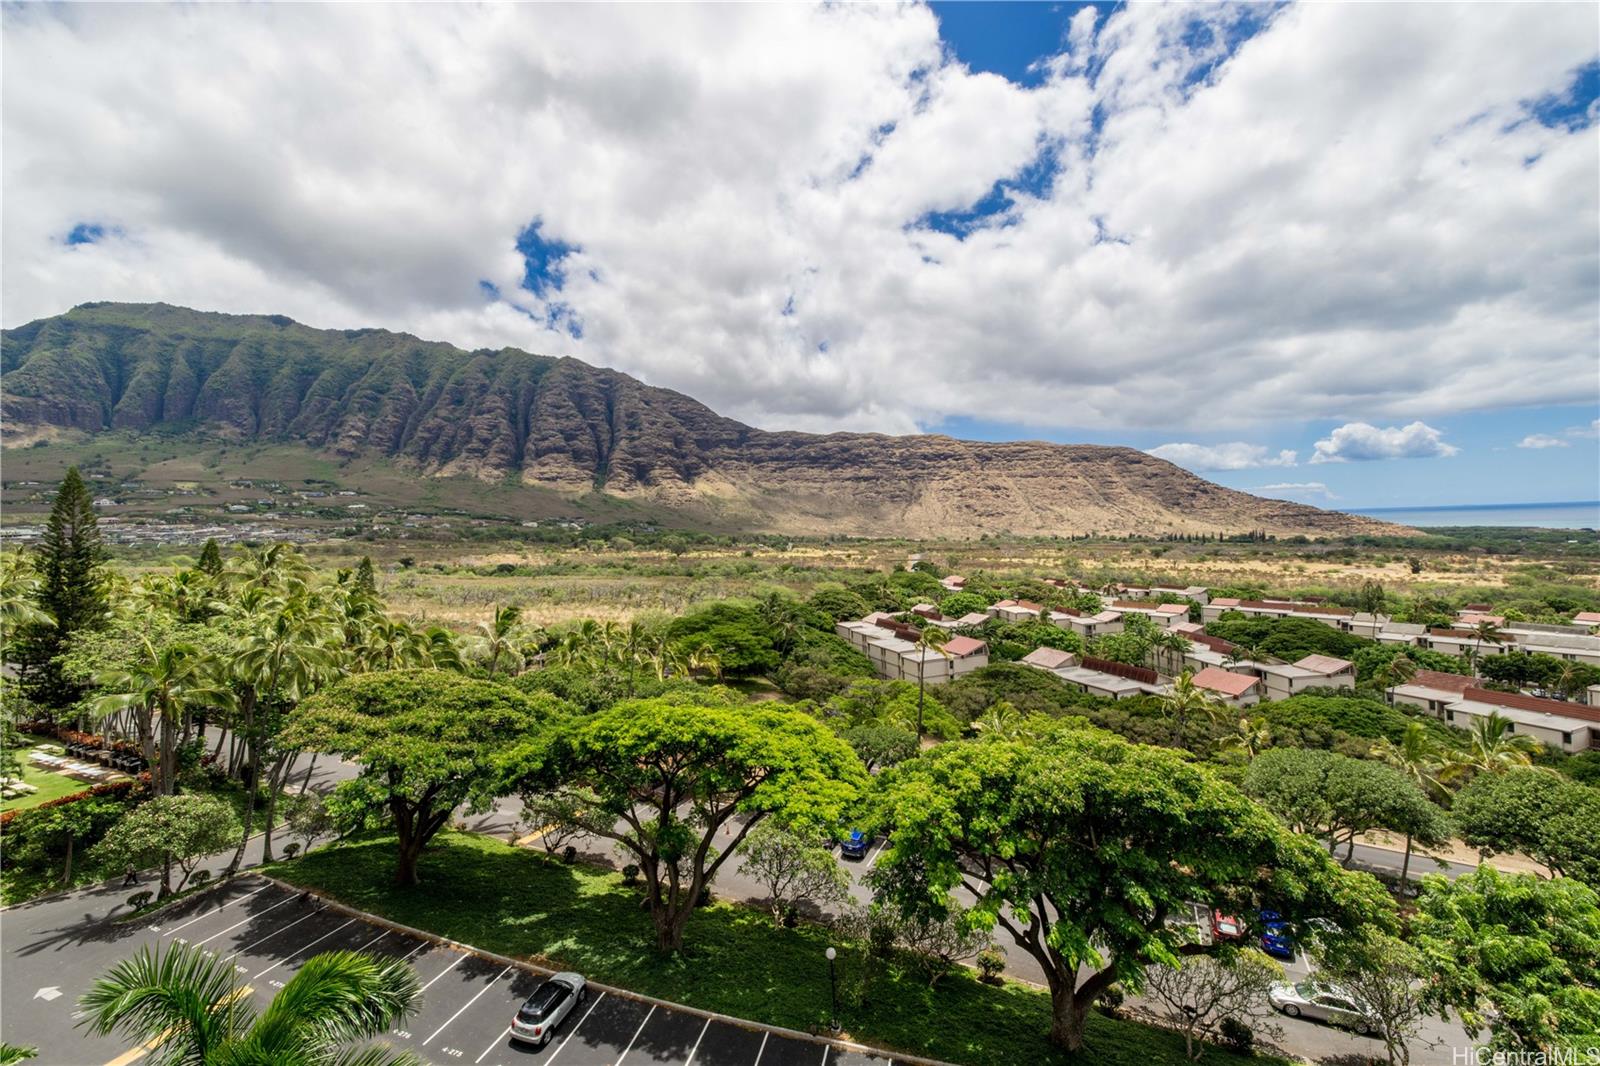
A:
(561, 423)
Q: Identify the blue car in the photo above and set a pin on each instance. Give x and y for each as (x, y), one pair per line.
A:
(855, 845)
(1276, 939)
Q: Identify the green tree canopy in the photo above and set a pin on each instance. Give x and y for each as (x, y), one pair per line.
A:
(71, 591)
(1337, 798)
(426, 741)
(1081, 846)
(1550, 818)
(1513, 954)
(671, 775)
(169, 829)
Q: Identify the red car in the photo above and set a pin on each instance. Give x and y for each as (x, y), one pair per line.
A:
(1226, 927)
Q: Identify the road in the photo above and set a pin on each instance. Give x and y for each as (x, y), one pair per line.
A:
(1310, 1039)
(55, 948)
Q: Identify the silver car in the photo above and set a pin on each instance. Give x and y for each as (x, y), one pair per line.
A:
(548, 1007)
(1325, 1003)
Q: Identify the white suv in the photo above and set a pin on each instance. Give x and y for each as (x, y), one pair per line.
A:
(548, 1007)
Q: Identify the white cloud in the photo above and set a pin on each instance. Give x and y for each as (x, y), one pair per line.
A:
(1235, 455)
(1297, 489)
(1340, 221)
(1359, 442)
(1591, 430)
(1541, 440)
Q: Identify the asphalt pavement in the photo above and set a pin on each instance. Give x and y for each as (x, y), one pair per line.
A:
(55, 949)
(71, 929)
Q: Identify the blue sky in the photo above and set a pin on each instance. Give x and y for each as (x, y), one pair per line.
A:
(1345, 249)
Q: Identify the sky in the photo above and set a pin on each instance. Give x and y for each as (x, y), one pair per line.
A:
(1343, 254)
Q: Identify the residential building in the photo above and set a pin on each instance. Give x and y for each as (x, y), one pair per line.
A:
(895, 655)
(1235, 690)
(1016, 611)
(953, 582)
(1572, 727)
(1164, 615)
(1432, 690)
(1087, 625)
(1097, 677)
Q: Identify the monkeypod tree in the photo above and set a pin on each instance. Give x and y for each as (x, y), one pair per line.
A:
(426, 741)
(669, 776)
(1080, 846)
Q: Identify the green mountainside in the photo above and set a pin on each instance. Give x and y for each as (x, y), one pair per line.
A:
(561, 426)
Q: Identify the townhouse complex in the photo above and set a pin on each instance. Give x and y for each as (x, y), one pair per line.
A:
(897, 652)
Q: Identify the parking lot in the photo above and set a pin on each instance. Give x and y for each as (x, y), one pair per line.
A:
(268, 932)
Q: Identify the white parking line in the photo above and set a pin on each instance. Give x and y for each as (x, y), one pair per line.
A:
(219, 910)
(465, 1005)
(575, 1029)
(459, 960)
(874, 856)
(275, 932)
(825, 1049)
(313, 944)
(635, 1037)
(762, 1050)
(696, 1049)
(503, 1034)
(248, 920)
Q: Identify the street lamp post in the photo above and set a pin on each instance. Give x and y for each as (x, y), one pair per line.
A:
(833, 990)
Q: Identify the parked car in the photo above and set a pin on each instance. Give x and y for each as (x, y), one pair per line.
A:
(1276, 939)
(1226, 927)
(548, 1007)
(1325, 1003)
(855, 845)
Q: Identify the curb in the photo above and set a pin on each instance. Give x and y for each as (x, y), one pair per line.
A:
(613, 990)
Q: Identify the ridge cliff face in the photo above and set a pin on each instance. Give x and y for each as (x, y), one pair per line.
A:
(563, 424)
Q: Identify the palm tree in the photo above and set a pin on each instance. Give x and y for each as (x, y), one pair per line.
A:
(1396, 672)
(1485, 632)
(11, 1054)
(282, 658)
(1569, 680)
(929, 639)
(704, 659)
(498, 637)
(1170, 647)
(1000, 720)
(1421, 760)
(279, 568)
(189, 1008)
(162, 687)
(1250, 737)
(19, 588)
(1184, 701)
(1490, 749)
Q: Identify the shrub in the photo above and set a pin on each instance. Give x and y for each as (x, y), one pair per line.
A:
(991, 964)
(139, 899)
(291, 850)
(630, 873)
(569, 854)
(1236, 1034)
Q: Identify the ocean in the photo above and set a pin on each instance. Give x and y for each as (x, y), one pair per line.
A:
(1578, 514)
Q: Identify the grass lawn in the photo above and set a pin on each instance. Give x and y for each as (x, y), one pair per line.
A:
(520, 902)
(51, 785)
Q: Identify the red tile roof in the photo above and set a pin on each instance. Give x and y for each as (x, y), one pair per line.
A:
(961, 647)
(1048, 658)
(1116, 669)
(1443, 682)
(1532, 703)
(1324, 664)
(1225, 681)
(1216, 644)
